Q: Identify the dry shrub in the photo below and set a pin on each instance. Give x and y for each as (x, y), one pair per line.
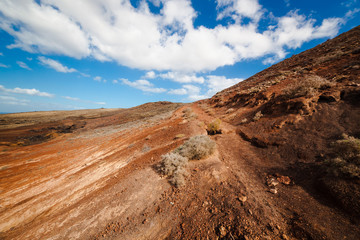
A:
(307, 87)
(178, 136)
(197, 147)
(214, 127)
(171, 162)
(178, 177)
(346, 162)
(189, 114)
(257, 116)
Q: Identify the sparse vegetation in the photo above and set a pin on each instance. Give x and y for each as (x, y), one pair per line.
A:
(307, 87)
(173, 164)
(257, 116)
(197, 147)
(189, 114)
(243, 121)
(145, 148)
(178, 136)
(214, 127)
(346, 160)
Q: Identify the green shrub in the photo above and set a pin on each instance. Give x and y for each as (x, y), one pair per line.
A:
(348, 148)
(214, 127)
(197, 147)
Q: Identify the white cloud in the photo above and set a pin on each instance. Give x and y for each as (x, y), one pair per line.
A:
(33, 91)
(1, 54)
(349, 3)
(85, 75)
(71, 98)
(238, 9)
(294, 29)
(57, 66)
(98, 78)
(351, 13)
(182, 77)
(143, 85)
(193, 92)
(13, 101)
(213, 84)
(41, 27)
(4, 66)
(115, 81)
(23, 65)
(179, 91)
(167, 41)
(218, 83)
(150, 75)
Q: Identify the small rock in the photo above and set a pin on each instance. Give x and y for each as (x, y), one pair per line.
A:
(242, 199)
(284, 180)
(171, 203)
(273, 190)
(271, 181)
(285, 237)
(222, 231)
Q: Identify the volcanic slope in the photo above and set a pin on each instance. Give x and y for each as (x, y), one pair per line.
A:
(96, 177)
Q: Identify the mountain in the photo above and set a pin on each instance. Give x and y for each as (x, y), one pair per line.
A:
(279, 158)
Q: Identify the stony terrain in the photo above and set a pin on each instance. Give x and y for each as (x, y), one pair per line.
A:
(94, 174)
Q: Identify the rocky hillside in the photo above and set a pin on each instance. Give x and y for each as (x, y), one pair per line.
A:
(280, 160)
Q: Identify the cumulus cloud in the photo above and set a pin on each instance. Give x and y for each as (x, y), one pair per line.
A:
(23, 65)
(181, 77)
(143, 85)
(40, 27)
(238, 9)
(212, 83)
(150, 75)
(193, 92)
(57, 66)
(32, 92)
(218, 83)
(164, 41)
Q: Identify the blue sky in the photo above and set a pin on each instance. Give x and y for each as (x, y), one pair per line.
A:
(66, 55)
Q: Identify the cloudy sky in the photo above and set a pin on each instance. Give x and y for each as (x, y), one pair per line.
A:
(66, 54)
